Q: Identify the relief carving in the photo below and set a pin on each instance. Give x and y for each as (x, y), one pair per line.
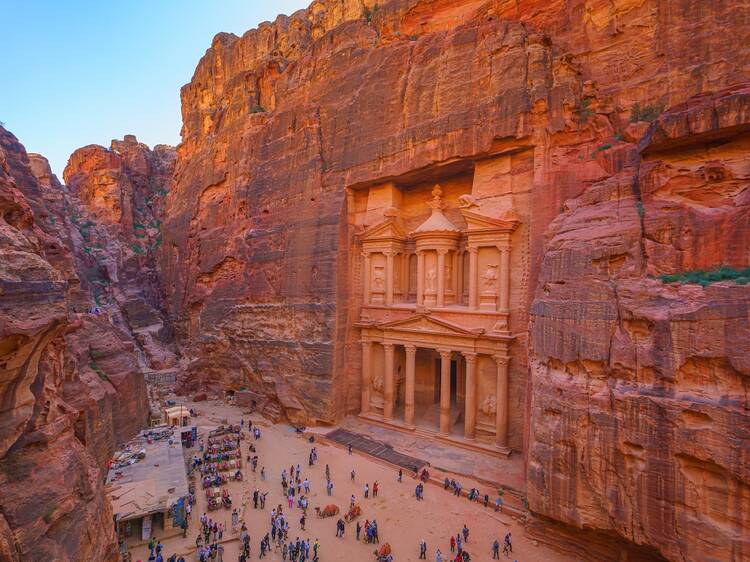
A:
(378, 279)
(489, 278)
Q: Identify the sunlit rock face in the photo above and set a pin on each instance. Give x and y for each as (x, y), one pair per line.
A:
(615, 132)
(119, 194)
(53, 505)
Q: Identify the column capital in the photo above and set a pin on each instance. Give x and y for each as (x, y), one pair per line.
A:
(470, 356)
(444, 353)
(501, 359)
(390, 253)
(504, 247)
(472, 249)
(442, 251)
(410, 348)
(388, 346)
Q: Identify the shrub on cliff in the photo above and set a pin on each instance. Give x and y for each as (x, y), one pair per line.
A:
(703, 278)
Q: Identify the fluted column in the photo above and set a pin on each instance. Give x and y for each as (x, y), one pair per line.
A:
(445, 391)
(473, 268)
(366, 278)
(411, 359)
(501, 412)
(470, 401)
(441, 278)
(388, 382)
(420, 278)
(388, 278)
(504, 290)
(366, 361)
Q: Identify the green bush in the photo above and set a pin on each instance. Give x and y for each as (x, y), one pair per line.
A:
(646, 113)
(584, 110)
(703, 277)
(257, 109)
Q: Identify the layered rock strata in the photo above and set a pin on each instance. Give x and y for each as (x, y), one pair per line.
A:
(540, 105)
(52, 505)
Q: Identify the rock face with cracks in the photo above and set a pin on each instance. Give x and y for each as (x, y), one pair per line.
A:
(71, 387)
(629, 121)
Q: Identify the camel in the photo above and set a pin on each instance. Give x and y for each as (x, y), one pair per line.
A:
(328, 511)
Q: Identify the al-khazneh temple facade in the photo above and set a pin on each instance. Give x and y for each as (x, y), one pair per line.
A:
(436, 315)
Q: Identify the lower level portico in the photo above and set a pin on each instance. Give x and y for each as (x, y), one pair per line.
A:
(425, 375)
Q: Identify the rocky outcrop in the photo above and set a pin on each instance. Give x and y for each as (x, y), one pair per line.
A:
(284, 125)
(118, 195)
(52, 505)
(639, 417)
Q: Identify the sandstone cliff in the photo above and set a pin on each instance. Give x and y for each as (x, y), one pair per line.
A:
(623, 375)
(52, 505)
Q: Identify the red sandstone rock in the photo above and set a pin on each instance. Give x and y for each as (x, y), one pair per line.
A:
(260, 262)
(51, 494)
(639, 408)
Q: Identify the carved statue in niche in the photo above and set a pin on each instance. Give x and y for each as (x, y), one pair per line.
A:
(448, 273)
(378, 279)
(489, 277)
(430, 278)
(489, 406)
(467, 201)
(378, 383)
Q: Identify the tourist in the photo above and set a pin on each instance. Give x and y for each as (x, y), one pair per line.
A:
(367, 490)
(358, 530)
(375, 489)
(329, 487)
(400, 475)
(438, 556)
(496, 550)
(151, 547)
(263, 473)
(306, 484)
(353, 474)
(328, 472)
(339, 529)
(465, 532)
(302, 521)
(352, 501)
(458, 542)
(499, 504)
(453, 543)
(422, 549)
(509, 542)
(486, 500)
(350, 449)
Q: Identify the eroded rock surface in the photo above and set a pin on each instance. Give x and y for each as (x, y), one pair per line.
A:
(51, 497)
(631, 403)
(639, 418)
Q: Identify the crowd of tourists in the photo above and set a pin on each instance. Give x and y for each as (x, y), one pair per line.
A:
(224, 446)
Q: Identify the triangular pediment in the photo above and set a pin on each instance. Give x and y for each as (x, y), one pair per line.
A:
(478, 222)
(425, 323)
(388, 229)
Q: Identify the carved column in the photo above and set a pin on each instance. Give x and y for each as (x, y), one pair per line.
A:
(420, 278)
(470, 402)
(366, 279)
(501, 413)
(445, 391)
(388, 382)
(441, 278)
(366, 361)
(504, 291)
(460, 278)
(454, 276)
(388, 278)
(411, 359)
(405, 273)
(473, 268)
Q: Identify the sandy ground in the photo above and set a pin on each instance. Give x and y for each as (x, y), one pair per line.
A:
(402, 520)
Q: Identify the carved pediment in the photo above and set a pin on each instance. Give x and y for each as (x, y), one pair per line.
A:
(388, 229)
(427, 324)
(476, 222)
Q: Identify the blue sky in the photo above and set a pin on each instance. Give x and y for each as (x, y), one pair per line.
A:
(75, 73)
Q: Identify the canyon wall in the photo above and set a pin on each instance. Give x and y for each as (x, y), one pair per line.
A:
(51, 493)
(80, 320)
(616, 130)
